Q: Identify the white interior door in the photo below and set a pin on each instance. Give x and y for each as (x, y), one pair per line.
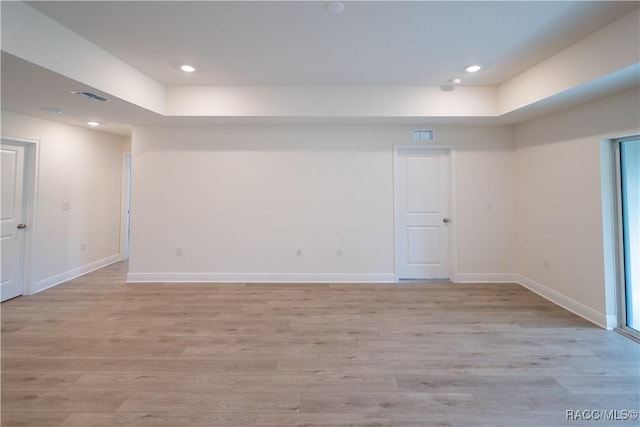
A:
(422, 186)
(12, 220)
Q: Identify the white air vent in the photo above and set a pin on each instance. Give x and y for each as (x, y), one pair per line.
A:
(89, 95)
(422, 135)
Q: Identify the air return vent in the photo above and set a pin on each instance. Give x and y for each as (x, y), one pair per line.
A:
(422, 135)
(89, 95)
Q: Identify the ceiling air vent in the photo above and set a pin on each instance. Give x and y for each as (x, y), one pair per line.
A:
(89, 95)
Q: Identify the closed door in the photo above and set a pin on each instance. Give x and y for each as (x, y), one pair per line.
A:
(12, 220)
(422, 186)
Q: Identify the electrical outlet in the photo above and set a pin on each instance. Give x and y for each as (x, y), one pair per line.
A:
(545, 263)
(83, 246)
(299, 252)
(66, 205)
(178, 251)
(339, 253)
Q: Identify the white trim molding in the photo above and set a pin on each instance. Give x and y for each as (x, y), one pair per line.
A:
(567, 303)
(260, 278)
(125, 206)
(74, 273)
(612, 322)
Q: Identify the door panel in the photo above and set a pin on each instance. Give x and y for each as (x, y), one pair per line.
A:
(423, 244)
(423, 186)
(12, 214)
(422, 198)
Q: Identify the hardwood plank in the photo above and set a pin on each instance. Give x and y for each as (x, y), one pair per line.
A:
(211, 402)
(393, 403)
(63, 400)
(154, 382)
(37, 381)
(352, 420)
(157, 419)
(347, 366)
(478, 384)
(282, 383)
(498, 419)
(32, 419)
(140, 366)
(601, 384)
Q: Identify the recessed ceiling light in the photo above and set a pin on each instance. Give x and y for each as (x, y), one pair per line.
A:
(456, 81)
(94, 124)
(472, 68)
(334, 7)
(188, 68)
(55, 111)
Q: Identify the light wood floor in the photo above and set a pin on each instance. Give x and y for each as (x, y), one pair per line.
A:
(98, 352)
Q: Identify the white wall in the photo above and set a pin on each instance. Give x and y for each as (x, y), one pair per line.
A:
(330, 101)
(559, 201)
(484, 201)
(241, 200)
(83, 167)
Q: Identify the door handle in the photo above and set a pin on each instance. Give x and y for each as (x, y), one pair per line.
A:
(445, 220)
(22, 226)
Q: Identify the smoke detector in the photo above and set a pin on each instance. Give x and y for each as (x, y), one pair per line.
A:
(334, 7)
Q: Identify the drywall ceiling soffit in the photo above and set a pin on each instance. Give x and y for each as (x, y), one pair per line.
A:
(22, 77)
(35, 91)
(620, 81)
(295, 43)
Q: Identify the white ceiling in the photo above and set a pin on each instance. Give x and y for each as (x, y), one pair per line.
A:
(35, 91)
(296, 43)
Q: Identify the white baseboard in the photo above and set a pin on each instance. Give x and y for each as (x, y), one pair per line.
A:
(568, 303)
(52, 281)
(486, 278)
(612, 322)
(260, 278)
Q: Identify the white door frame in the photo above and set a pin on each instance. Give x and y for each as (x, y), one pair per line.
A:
(453, 236)
(30, 255)
(616, 209)
(125, 203)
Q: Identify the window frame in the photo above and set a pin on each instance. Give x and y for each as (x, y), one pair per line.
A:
(621, 291)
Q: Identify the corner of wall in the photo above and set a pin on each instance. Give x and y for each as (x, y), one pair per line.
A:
(565, 302)
(52, 281)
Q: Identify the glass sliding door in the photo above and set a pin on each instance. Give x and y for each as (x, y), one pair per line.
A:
(630, 218)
